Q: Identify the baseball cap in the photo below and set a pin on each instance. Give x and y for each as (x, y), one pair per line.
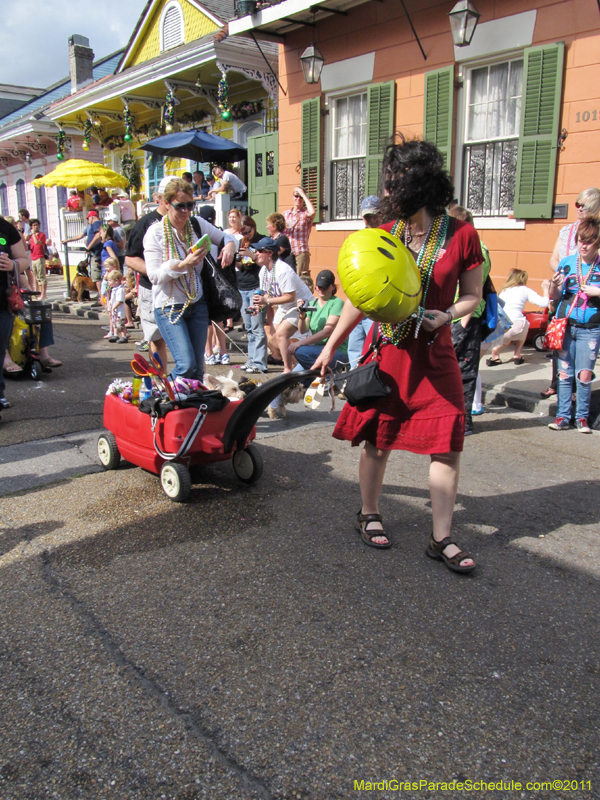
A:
(111, 218)
(208, 213)
(266, 243)
(370, 205)
(115, 191)
(93, 213)
(325, 279)
(164, 183)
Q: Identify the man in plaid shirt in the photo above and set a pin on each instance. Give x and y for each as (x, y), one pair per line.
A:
(298, 222)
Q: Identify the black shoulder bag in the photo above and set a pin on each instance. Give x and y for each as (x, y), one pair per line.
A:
(364, 383)
(219, 287)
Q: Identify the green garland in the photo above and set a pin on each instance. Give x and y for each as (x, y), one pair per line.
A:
(130, 169)
(245, 109)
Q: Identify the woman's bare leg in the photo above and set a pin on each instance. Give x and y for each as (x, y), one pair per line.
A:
(371, 470)
(443, 484)
(283, 334)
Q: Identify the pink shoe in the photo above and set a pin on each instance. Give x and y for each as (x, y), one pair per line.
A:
(108, 335)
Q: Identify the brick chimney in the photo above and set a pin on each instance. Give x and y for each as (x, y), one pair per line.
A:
(81, 58)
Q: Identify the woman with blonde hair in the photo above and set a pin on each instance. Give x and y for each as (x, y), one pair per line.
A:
(515, 294)
(175, 271)
(588, 206)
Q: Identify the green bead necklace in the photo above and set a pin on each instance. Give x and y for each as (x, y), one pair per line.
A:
(171, 251)
(428, 255)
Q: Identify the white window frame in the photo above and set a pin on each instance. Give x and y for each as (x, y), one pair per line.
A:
(465, 69)
(329, 105)
(161, 28)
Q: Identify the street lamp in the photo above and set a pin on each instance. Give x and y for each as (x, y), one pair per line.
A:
(312, 63)
(463, 21)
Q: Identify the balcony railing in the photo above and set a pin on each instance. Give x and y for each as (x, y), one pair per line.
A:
(347, 187)
(489, 177)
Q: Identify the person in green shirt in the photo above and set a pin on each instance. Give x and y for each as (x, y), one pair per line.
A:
(319, 324)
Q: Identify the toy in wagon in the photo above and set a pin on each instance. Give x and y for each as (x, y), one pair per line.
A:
(182, 423)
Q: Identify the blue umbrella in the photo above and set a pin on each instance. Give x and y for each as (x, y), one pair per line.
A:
(197, 146)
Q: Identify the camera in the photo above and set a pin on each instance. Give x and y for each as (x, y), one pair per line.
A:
(252, 310)
(304, 308)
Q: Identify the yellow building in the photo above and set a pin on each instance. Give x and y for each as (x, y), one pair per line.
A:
(168, 79)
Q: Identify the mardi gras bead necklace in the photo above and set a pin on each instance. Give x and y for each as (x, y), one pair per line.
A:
(188, 281)
(428, 255)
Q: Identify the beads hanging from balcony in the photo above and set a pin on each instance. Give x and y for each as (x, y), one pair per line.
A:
(60, 145)
(169, 112)
(223, 96)
(87, 134)
(128, 126)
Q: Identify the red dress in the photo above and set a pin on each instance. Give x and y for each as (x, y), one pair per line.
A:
(425, 412)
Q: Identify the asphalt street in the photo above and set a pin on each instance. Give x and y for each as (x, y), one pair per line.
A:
(247, 645)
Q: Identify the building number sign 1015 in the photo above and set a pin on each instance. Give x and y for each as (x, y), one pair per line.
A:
(586, 116)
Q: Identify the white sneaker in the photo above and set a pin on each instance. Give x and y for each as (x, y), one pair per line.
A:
(225, 359)
(211, 361)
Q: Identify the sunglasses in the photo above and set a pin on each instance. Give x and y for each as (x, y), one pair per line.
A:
(580, 205)
(183, 206)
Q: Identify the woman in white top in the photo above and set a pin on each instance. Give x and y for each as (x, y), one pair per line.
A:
(180, 310)
(515, 295)
(587, 205)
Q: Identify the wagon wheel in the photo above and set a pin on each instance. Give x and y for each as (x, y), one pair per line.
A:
(175, 481)
(108, 452)
(248, 464)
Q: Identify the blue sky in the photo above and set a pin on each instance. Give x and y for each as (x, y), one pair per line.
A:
(34, 50)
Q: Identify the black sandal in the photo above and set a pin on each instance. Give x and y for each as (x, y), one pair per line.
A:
(493, 362)
(367, 536)
(435, 550)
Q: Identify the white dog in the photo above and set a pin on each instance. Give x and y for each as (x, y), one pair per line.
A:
(227, 386)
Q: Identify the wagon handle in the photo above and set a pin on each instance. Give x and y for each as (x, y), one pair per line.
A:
(245, 416)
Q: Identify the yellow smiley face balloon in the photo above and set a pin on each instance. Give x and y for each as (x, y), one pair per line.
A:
(379, 275)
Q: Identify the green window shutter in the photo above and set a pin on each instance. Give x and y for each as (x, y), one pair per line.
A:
(311, 152)
(380, 129)
(536, 160)
(438, 114)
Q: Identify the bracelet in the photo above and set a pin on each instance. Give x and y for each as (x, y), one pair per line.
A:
(449, 320)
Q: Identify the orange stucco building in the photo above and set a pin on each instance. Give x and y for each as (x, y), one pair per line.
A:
(485, 135)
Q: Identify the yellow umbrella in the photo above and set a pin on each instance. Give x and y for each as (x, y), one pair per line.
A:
(77, 173)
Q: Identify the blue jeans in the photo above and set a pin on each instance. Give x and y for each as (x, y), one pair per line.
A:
(307, 354)
(257, 338)
(579, 353)
(186, 338)
(356, 340)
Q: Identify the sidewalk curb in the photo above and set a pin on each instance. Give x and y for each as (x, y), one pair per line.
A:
(521, 400)
(65, 308)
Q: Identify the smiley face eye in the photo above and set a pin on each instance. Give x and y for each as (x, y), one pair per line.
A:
(391, 242)
(386, 253)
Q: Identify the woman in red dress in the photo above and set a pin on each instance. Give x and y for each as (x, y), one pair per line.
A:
(425, 411)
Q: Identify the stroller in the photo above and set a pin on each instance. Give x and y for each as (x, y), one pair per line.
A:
(23, 345)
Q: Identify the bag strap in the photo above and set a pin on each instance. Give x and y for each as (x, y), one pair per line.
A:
(189, 439)
(375, 343)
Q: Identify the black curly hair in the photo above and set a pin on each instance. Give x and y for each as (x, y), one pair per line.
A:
(414, 177)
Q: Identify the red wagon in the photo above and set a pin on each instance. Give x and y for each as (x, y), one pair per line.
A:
(168, 445)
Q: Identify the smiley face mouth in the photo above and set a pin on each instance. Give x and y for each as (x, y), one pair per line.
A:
(400, 291)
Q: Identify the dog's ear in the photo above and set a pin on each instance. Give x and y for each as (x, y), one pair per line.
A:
(211, 382)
